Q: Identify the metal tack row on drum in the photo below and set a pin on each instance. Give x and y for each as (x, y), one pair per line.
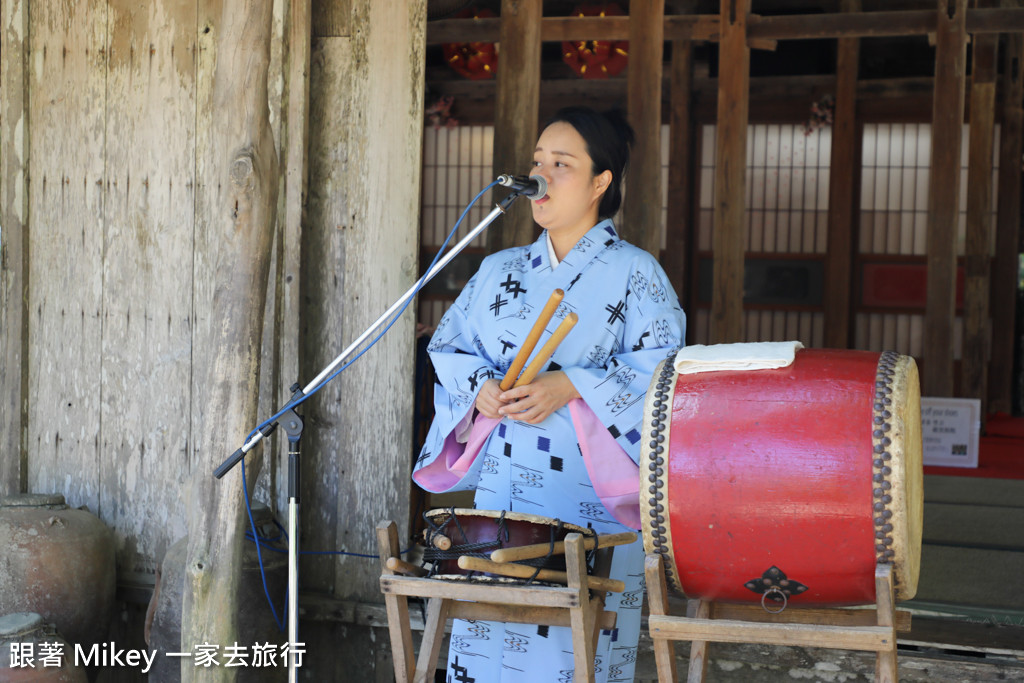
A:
(785, 486)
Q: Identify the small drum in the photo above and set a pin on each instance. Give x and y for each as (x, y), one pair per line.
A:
(453, 532)
(786, 485)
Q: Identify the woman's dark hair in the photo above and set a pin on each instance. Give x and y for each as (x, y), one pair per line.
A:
(608, 136)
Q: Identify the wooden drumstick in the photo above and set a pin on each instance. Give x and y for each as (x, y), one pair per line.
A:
(531, 339)
(402, 567)
(438, 540)
(546, 351)
(529, 552)
(522, 571)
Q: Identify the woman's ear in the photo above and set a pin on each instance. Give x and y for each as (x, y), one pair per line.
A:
(602, 181)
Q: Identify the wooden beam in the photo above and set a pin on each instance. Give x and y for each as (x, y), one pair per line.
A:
(729, 240)
(761, 28)
(877, 24)
(782, 99)
(978, 242)
(680, 214)
(515, 112)
(842, 25)
(1006, 263)
(557, 29)
(944, 198)
(844, 181)
(641, 222)
(14, 140)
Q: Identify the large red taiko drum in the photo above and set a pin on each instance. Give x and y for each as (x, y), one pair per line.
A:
(786, 486)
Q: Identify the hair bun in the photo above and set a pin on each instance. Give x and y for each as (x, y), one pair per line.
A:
(618, 120)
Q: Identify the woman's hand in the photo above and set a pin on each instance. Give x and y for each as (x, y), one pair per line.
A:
(487, 401)
(535, 401)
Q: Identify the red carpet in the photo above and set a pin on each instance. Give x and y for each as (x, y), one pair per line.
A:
(1000, 451)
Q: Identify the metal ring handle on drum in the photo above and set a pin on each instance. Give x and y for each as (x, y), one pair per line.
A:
(774, 589)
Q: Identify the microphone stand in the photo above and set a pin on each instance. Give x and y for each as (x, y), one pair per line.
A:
(293, 427)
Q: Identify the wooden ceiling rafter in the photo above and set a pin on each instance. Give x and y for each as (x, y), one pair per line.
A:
(760, 28)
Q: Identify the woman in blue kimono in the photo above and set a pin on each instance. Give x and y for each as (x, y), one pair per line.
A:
(566, 445)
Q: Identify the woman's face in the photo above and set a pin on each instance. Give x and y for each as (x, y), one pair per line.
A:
(574, 193)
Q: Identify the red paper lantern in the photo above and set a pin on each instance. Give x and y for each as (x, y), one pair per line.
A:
(596, 58)
(476, 61)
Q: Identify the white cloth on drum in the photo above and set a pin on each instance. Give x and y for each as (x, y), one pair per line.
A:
(743, 356)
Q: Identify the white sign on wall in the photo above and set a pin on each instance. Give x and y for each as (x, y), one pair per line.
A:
(949, 431)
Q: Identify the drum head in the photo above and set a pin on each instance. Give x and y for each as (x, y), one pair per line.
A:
(440, 514)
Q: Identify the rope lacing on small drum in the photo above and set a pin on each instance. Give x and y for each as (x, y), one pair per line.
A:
(436, 555)
(482, 549)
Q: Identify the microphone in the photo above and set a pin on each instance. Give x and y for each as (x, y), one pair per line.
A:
(533, 187)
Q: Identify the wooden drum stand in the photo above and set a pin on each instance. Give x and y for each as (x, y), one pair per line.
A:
(578, 605)
(872, 630)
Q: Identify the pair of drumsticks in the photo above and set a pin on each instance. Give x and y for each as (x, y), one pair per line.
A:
(512, 377)
(503, 562)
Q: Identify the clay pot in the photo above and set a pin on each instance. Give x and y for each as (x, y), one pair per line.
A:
(59, 563)
(31, 632)
(255, 621)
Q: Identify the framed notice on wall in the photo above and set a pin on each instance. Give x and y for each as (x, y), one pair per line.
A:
(949, 431)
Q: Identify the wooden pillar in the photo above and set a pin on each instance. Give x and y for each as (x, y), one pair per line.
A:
(978, 241)
(358, 257)
(14, 129)
(642, 203)
(844, 182)
(1006, 263)
(944, 197)
(288, 248)
(236, 204)
(679, 224)
(729, 237)
(515, 112)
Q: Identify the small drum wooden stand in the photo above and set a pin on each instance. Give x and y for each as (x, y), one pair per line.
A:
(872, 630)
(577, 605)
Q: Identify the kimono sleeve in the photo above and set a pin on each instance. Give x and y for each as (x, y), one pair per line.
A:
(461, 366)
(654, 327)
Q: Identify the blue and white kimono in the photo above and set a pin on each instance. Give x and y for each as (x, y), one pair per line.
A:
(580, 464)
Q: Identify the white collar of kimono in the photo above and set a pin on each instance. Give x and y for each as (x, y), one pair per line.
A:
(552, 257)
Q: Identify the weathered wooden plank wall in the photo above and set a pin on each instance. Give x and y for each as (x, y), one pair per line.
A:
(147, 227)
(122, 267)
(65, 363)
(13, 238)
